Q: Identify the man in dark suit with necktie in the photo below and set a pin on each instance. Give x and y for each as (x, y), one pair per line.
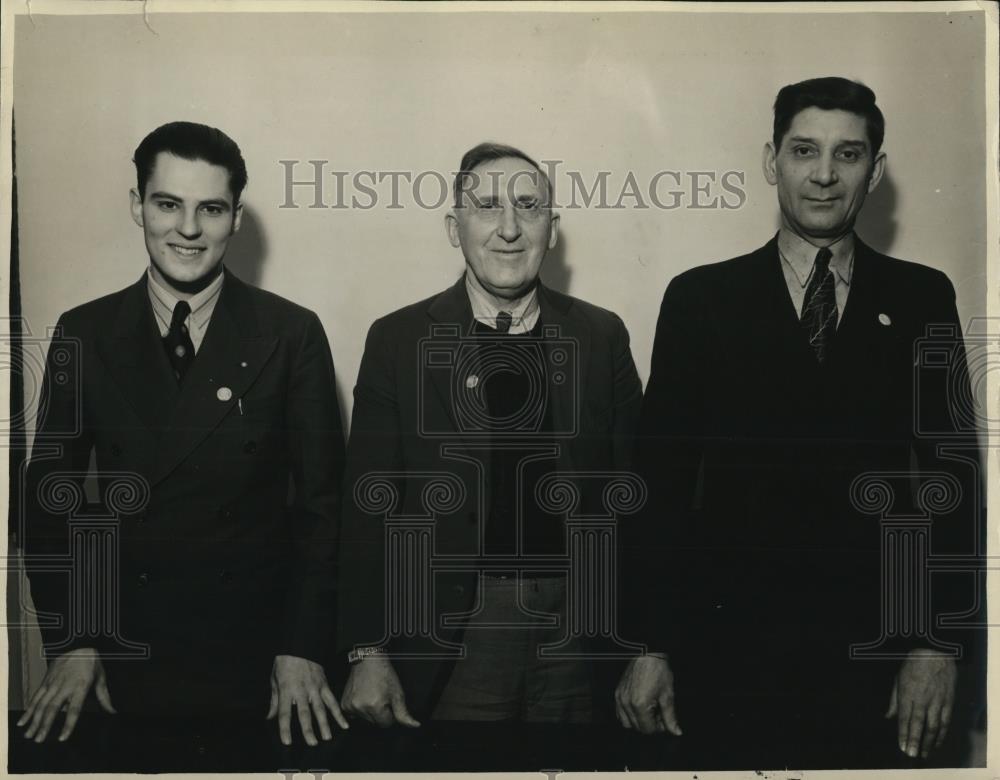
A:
(781, 381)
(210, 399)
(474, 410)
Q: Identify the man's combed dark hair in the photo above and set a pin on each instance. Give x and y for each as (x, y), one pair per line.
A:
(191, 141)
(828, 93)
(488, 151)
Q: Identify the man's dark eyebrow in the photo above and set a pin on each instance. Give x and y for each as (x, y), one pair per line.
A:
(215, 202)
(853, 142)
(211, 202)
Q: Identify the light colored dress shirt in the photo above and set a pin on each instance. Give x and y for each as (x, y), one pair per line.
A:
(524, 314)
(798, 258)
(202, 305)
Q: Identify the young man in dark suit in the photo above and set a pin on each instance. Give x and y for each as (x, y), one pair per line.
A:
(209, 398)
(780, 382)
(468, 405)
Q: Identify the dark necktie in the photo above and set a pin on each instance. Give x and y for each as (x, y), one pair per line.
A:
(177, 342)
(819, 309)
(503, 321)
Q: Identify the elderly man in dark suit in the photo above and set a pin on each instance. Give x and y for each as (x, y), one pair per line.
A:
(210, 398)
(780, 382)
(468, 405)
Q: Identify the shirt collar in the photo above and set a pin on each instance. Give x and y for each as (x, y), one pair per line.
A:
(800, 256)
(524, 314)
(202, 304)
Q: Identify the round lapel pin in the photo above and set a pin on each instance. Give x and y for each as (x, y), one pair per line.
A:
(884, 319)
(224, 394)
(471, 381)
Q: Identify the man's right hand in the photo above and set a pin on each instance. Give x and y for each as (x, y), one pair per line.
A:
(66, 684)
(644, 698)
(373, 692)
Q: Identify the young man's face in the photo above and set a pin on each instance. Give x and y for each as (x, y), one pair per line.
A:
(187, 217)
(823, 170)
(505, 226)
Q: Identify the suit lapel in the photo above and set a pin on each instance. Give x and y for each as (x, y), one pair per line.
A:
(862, 337)
(451, 321)
(452, 308)
(776, 310)
(132, 352)
(230, 358)
(862, 331)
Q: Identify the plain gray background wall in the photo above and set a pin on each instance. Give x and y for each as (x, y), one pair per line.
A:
(599, 91)
(411, 92)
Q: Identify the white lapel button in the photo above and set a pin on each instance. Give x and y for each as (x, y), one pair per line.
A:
(243, 364)
(884, 319)
(471, 381)
(223, 393)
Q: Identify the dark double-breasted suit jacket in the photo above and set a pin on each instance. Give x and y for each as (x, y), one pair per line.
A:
(225, 549)
(768, 568)
(410, 424)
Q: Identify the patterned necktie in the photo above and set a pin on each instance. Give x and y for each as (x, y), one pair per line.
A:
(177, 343)
(503, 321)
(819, 309)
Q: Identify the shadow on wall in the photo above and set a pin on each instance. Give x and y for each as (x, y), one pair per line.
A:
(876, 224)
(877, 221)
(555, 273)
(247, 251)
(245, 257)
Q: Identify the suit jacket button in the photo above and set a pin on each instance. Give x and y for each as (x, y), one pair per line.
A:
(116, 450)
(250, 447)
(226, 514)
(225, 576)
(143, 579)
(460, 590)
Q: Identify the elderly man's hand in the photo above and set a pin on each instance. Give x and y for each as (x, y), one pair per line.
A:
(65, 686)
(644, 698)
(922, 700)
(373, 692)
(301, 683)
